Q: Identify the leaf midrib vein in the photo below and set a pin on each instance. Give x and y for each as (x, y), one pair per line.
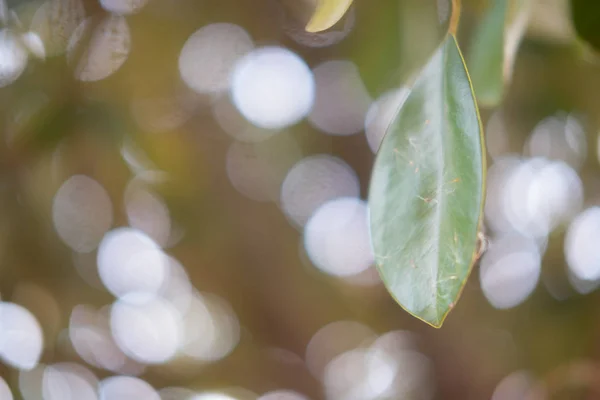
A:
(440, 176)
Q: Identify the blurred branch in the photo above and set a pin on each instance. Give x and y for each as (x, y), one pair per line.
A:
(454, 17)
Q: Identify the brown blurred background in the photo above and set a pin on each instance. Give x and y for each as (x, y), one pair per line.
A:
(183, 193)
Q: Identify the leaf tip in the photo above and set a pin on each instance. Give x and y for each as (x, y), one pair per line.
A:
(435, 321)
(327, 14)
(314, 27)
(438, 322)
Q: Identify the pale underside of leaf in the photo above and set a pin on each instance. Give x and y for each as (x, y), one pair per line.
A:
(327, 14)
(496, 41)
(516, 24)
(426, 190)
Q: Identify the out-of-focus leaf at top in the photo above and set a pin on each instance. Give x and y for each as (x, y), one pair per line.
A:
(293, 18)
(586, 19)
(327, 14)
(380, 65)
(517, 21)
(495, 45)
(426, 191)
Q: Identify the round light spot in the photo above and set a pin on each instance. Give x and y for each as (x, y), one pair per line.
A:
(212, 396)
(208, 56)
(177, 288)
(123, 7)
(541, 195)
(342, 101)
(381, 114)
(497, 137)
(91, 338)
(414, 376)
(369, 277)
(284, 356)
(443, 10)
(82, 213)
(498, 176)
(515, 386)
(395, 342)
(137, 160)
(5, 392)
(126, 388)
(129, 261)
(516, 195)
(336, 237)
(42, 303)
(147, 212)
(13, 58)
(282, 395)
(582, 286)
(107, 50)
(256, 170)
(581, 243)
(235, 125)
(272, 87)
(146, 329)
(555, 196)
(55, 21)
(211, 329)
(175, 393)
(31, 382)
(86, 268)
(334, 339)
(69, 381)
(34, 44)
(360, 374)
(21, 337)
(559, 137)
(510, 271)
(314, 181)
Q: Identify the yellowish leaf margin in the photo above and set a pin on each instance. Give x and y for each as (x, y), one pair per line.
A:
(327, 14)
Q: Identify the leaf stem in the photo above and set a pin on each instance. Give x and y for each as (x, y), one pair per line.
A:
(454, 17)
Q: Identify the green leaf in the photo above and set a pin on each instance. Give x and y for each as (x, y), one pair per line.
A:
(495, 45)
(426, 193)
(327, 14)
(586, 19)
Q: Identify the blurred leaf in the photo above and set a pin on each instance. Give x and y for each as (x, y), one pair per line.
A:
(44, 123)
(378, 65)
(487, 54)
(586, 18)
(515, 27)
(495, 45)
(426, 191)
(327, 14)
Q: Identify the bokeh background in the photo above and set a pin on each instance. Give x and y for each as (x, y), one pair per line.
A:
(183, 210)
